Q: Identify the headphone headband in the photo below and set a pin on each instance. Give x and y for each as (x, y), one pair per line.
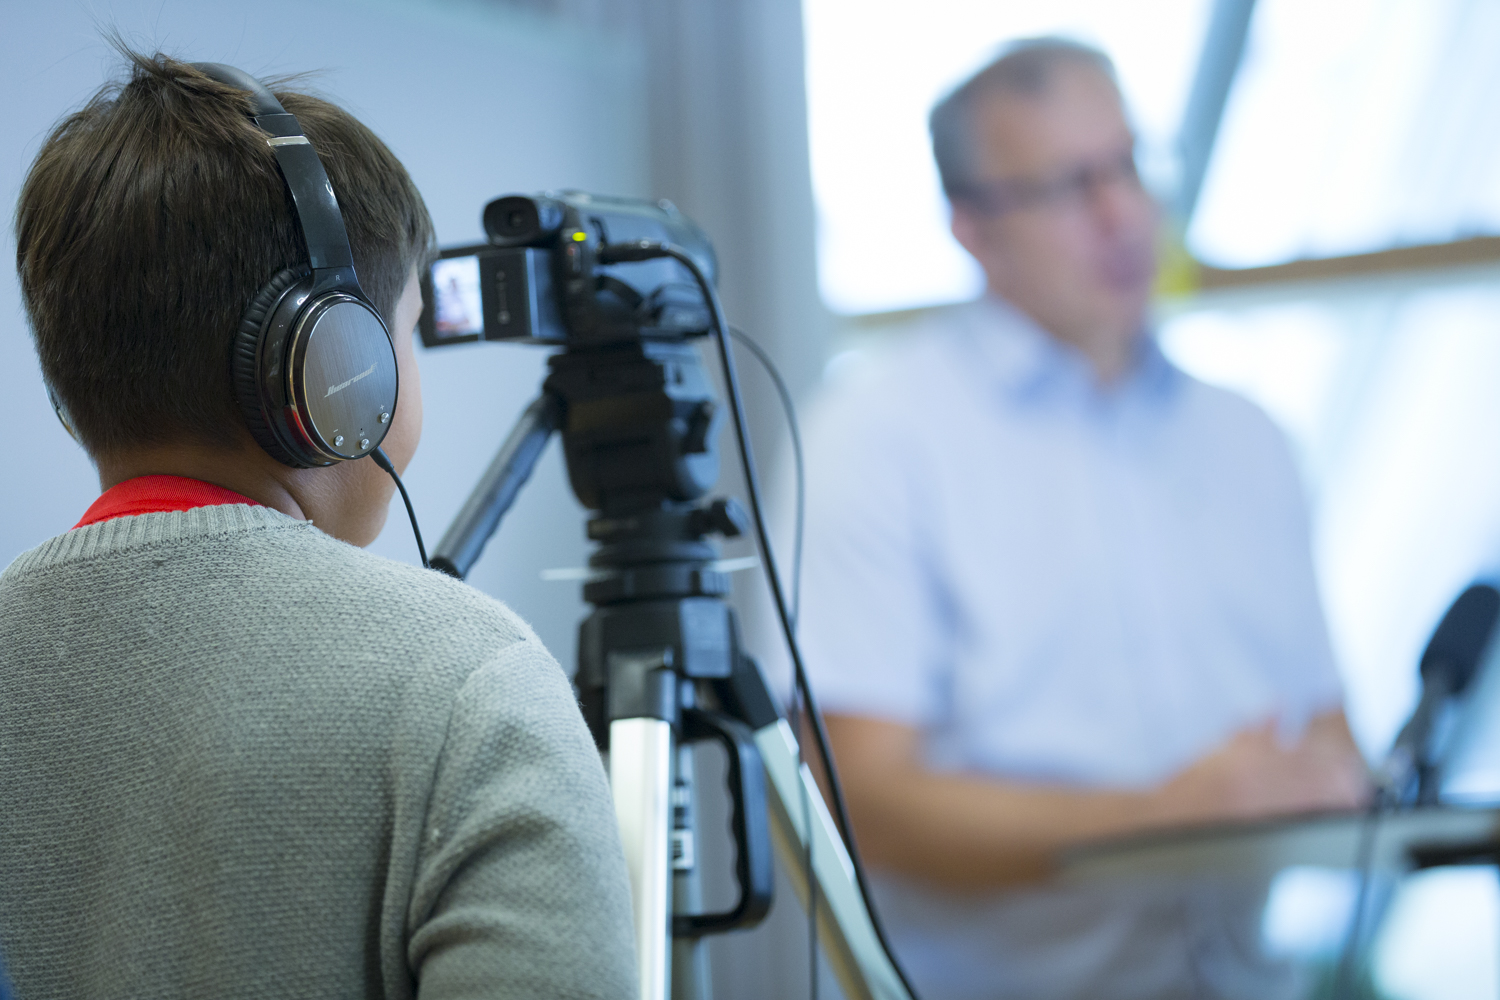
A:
(312, 192)
(260, 95)
(313, 366)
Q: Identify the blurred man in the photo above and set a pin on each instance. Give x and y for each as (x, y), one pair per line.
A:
(1057, 589)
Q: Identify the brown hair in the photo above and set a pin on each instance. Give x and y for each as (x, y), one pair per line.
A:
(1024, 67)
(148, 222)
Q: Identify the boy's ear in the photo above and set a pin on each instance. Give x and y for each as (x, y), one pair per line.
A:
(61, 411)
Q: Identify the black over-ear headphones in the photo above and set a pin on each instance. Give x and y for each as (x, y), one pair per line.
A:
(313, 365)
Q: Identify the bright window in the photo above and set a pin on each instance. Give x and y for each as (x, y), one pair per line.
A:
(1355, 125)
(1389, 399)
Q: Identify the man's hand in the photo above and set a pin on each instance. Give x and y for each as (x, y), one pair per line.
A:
(1255, 774)
(976, 832)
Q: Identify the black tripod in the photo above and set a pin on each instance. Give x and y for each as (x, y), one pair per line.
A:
(660, 661)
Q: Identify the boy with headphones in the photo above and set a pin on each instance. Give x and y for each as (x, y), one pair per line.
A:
(239, 755)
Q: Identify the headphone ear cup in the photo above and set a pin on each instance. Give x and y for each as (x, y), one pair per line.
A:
(245, 367)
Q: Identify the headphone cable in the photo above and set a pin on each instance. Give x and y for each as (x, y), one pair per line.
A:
(385, 463)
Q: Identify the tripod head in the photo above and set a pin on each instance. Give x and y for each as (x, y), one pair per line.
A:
(642, 424)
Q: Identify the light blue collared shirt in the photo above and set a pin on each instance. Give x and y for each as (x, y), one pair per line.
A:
(1058, 583)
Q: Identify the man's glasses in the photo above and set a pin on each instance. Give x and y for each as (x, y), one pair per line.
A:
(1070, 189)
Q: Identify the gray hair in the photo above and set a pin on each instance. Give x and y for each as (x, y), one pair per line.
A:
(1026, 68)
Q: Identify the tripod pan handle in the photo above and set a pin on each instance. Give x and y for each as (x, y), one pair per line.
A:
(752, 830)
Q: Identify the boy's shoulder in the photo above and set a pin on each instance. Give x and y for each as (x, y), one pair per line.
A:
(237, 568)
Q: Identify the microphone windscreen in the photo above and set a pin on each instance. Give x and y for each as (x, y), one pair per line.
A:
(1461, 637)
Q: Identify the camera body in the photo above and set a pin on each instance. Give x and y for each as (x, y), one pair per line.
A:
(640, 420)
(539, 278)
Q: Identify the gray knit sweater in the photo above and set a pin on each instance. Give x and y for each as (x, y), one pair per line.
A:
(240, 758)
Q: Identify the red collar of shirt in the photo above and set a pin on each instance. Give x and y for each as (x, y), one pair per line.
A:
(156, 494)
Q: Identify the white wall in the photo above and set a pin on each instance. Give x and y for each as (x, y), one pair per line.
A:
(475, 100)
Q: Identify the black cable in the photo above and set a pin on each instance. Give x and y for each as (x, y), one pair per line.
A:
(790, 409)
(797, 711)
(645, 250)
(385, 463)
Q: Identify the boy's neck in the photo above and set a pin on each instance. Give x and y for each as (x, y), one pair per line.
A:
(239, 469)
(348, 501)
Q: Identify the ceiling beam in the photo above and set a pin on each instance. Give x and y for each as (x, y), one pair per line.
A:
(1424, 257)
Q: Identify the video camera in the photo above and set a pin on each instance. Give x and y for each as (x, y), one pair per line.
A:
(540, 278)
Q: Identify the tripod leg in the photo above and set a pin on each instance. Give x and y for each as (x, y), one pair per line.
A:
(844, 927)
(640, 775)
(464, 540)
(689, 954)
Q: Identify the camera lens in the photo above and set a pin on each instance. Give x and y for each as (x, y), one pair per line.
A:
(515, 220)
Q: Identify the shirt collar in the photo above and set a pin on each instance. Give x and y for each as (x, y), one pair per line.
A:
(1026, 362)
(158, 494)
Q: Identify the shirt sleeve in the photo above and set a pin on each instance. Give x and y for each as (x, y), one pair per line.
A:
(1308, 676)
(521, 888)
(871, 625)
(1316, 676)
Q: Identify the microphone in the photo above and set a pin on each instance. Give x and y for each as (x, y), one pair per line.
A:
(1447, 666)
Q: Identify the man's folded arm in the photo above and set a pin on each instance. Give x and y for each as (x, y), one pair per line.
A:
(974, 832)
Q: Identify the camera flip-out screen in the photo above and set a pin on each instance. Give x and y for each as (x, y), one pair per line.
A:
(455, 298)
(486, 292)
